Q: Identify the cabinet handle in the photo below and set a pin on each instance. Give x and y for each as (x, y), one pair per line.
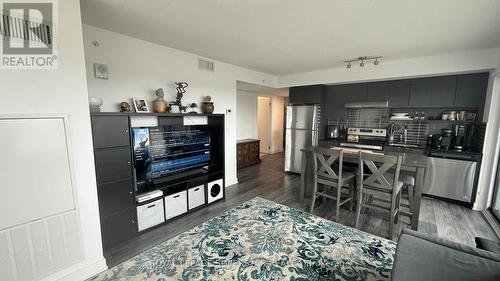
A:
(130, 192)
(128, 162)
(196, 189)
(176, 196)
(151, 206)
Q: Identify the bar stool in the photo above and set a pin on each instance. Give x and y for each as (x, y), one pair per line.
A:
(378, 185)
(407, 193)
(324, 159)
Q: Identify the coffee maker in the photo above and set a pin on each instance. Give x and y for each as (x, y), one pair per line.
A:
(333, 132)
(460, 132)
(446, 138)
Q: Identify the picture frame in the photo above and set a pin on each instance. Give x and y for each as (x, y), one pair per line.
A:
(101, 71)
(140, 105)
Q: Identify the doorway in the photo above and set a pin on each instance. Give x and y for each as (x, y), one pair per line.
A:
(264, 123)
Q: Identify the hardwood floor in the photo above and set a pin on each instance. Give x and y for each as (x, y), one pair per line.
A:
(267, 180)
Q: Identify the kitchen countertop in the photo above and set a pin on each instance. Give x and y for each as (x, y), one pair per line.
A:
(409, 159)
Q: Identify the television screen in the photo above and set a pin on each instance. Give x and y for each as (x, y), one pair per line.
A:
(165, 151)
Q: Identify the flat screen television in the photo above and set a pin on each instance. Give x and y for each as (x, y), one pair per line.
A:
(166, 152)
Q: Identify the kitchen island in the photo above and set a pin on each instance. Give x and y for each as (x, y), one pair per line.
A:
(412, 163)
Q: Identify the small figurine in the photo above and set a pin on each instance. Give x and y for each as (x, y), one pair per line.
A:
(124, 107)
(160, 105)
(181, 90)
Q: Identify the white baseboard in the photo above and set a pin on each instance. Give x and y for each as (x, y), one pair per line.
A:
(277, 151)
(79, 271)
(230, 182)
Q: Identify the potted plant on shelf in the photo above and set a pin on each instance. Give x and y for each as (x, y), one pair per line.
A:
(193, 107)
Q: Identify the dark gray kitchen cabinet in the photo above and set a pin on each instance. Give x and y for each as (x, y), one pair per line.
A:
(333, 106)
(377, 91)
(433, 92)
(399, 93)
(420, 93)
(443, 91)
(306, 94)
(353, 92)
(337, 96)
(471, 90)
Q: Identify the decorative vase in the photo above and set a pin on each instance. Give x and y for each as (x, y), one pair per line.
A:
(207, 106)
(160, 106)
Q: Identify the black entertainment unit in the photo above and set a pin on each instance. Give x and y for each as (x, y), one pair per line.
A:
(149, 175)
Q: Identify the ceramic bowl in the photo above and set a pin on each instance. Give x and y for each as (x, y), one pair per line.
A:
(95, 101)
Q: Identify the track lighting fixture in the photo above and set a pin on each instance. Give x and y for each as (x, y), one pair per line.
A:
(362, 60)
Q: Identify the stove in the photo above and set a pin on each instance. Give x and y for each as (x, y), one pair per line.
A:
(366, 138)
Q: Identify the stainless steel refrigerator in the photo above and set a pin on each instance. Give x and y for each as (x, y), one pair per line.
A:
(302, 123)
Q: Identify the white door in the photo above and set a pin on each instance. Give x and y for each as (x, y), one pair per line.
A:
(264, 123)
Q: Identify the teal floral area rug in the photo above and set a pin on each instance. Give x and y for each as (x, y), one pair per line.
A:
(262, 240)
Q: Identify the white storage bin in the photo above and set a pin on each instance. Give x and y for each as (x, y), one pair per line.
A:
(196, 196)
(151, 214)
(175, 204)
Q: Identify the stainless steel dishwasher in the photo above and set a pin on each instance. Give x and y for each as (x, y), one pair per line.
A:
(451, 178)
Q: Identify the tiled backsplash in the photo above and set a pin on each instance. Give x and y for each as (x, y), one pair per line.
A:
(364, 118)
(417, 130)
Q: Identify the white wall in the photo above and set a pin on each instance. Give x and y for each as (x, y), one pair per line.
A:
(64, 91)
(137, 68)
(277, 114)
(247, 122)
(246, 115)
(414, 67)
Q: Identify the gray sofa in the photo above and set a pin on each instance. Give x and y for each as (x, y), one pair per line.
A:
(424, 257)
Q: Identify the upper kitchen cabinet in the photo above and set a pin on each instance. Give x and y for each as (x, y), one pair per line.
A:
(377, 91)
(337, 96)
(471, 90)
(333, 107)
(399, 93)
(306, 94)
(352, 92)
(433, 92)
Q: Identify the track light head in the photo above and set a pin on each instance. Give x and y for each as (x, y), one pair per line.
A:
(361, 60)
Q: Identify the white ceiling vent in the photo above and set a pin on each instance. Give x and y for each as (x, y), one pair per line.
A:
(205, 65)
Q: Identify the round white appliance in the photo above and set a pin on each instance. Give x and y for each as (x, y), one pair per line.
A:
(215, 190)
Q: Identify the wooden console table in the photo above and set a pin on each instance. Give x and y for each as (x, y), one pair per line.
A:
(248, 151)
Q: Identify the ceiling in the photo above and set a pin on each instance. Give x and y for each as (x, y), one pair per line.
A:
(291, 36)
(254, 88)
